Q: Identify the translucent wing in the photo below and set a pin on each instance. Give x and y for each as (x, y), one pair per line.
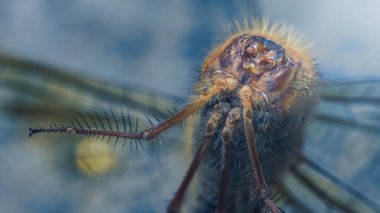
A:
(71, 173)
(44, 87)
(341, 138)
(342, 146)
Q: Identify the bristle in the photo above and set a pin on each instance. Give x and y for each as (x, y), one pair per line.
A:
(109, 124)
(84, 120)
(149, 120)
(108, 120)
(114, 145)
(165, 136)
(170, 112)
(276, 194)
(137, 124)
(101, 123)
(31, 132)
(155, 117)
(129, 121)
(116, 123)
(92, 120)
(100, 120)
(141, 145)
(136, 129)
(76, 120)
(175, 109)
(282, 196)
(123, 117)
(130, 129)
(123, 145)
(162, 115)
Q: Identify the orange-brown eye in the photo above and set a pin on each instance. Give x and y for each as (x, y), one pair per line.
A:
(269, 59)
(253, 49)
(261, 55)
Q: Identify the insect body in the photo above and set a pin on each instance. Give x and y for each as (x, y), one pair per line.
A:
(274, 95)
(255, 93)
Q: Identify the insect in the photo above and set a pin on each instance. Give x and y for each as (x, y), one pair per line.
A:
(41, 174)
(256, 91)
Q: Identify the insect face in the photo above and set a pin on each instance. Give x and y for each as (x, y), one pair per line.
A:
(263, 65)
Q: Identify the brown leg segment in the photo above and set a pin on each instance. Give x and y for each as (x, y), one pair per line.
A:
(232, 118)
(246, 96)
(217, 113)
(221, 85)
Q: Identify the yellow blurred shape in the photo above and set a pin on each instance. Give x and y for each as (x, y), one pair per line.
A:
(95, 158)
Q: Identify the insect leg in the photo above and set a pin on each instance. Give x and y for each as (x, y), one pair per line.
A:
(221, 85)
(246, 95)
(217, 113)
(232, 118)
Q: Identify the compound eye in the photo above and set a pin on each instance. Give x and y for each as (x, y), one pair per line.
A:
(251, 54)
(249, 64)
(269, 59)
(254, 48)
(262, 55)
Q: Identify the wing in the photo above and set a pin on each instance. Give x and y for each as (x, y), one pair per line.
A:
(342, 149)
(72, 173)
(30, 85)
(84, 176)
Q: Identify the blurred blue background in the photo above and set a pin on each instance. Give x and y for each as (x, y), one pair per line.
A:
(154, 42)
(159, 45)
